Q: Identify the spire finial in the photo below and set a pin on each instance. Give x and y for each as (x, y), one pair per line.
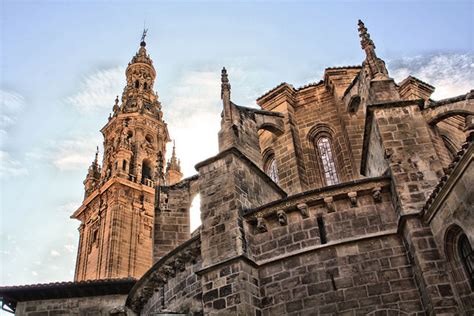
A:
(96, 159)
(365, 40)
(225, 85)
(142, 42)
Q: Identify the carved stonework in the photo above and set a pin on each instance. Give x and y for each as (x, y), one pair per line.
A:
(329, 204)
(261, 226)
(282, 218)
(303, 208)
(353, 198)
(377, 194)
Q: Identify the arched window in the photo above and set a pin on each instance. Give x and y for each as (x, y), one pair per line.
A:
(124, 165)
(146, 170)
(137, 84)
(271, 168)
(461, 258)
(325, 152)
(466, 255)
(144, 86)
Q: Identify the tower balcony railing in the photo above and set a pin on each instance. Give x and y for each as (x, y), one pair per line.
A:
(149, 182)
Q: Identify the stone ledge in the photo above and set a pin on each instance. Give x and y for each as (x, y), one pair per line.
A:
(230, 260)
(104, 187)
(319, 194)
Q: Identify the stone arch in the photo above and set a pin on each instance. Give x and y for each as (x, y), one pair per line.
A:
(354, 104)
(462, 282)
(270, 122)
(320, 129)
(271, 127)
(435, 114)
(147, 170)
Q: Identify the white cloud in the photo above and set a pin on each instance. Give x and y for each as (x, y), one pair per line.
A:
(10, 167)
(98, 90)
(54, 253)
(452, 74)
(74, 153)
(34, 273)
(11, 103)
(68, 207)
(194, 108)
(70, 248)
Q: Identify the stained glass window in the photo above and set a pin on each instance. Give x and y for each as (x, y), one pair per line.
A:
(329, 167)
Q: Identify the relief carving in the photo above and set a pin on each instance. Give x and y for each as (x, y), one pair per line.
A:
(353, 198)
(329, 204)
(282, 218)
(303, 208)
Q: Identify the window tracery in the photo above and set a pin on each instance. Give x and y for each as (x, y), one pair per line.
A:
(324, 148)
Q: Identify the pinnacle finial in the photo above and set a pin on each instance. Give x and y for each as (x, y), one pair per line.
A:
(142, 41)
(365, 40)
(117, 100)
(225, 85)
(96, 155)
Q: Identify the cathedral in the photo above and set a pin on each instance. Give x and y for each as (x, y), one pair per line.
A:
(353, 195)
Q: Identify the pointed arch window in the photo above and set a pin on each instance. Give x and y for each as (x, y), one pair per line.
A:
(325, 153)
(467, 257)
(271, 168)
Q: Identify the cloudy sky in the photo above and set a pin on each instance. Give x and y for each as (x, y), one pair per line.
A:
(63, 62)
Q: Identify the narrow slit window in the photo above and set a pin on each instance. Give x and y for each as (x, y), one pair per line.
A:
(322, 230)
(327, 160)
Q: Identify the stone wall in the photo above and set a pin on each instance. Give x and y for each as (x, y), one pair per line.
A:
(172, 222)
(353, 278)
(320, 217)
(181, 293)
(229, 182)
(80, 306)
(172, 283)
(449, 214)
(116, 237)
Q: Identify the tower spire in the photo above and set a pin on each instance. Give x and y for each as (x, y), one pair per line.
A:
(376, 65)
(173, 168)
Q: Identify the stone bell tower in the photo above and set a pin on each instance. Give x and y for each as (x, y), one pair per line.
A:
(117, 214)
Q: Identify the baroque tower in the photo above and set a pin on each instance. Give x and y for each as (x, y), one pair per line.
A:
(117, 214)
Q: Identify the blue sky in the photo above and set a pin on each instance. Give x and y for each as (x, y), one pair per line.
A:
(62, 64)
